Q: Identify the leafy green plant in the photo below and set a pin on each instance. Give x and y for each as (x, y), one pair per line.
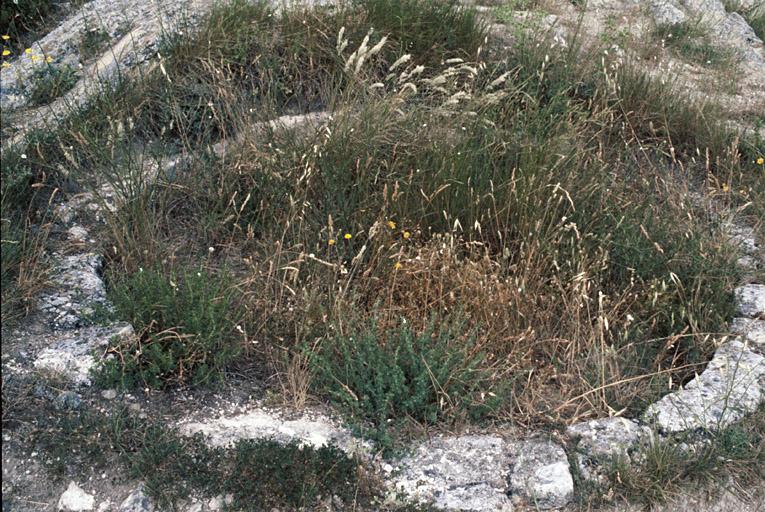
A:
(50, 82)
(186, 322)
(384, 378)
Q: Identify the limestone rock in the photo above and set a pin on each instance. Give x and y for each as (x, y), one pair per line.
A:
(137, 501)
(750, 300)
(731, 387)
(605, 438)
(310, 429)
(753, 331)
(665, 12)
(71, 354)
(75, 499)
(465, 473)
(540, 474)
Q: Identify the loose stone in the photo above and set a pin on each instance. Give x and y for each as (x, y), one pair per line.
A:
(75, 499)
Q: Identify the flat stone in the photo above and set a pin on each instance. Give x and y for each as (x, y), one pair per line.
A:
(753, 331)
(750, 300)
(309, 429)
(465, 473)
(75, 499)
(731, 387)
(540, 474)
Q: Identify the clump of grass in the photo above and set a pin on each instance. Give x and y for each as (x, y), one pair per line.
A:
(50, 82)
(187, 328)
(92, 41)
(384, 377)
(690, 40)
(665, 466)
(24, 224)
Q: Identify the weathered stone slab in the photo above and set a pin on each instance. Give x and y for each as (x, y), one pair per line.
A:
(750, 300)
(540, 474)
(465, 473)
(309, 429)
(727, 390)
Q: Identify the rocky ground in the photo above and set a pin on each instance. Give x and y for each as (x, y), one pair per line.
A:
(500, 470)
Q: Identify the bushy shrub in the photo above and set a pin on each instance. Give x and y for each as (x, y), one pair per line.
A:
(186, 322)
(382, 378)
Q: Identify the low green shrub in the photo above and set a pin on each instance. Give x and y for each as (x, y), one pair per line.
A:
(383, 378)
(186, 322)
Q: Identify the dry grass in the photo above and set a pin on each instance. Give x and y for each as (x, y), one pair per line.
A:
(555, 206)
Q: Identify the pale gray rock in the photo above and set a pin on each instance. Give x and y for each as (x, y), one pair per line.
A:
(71, 355)
(540, 474)
(666, 12)
(751, 330)
(465, 473)
(731, 387)
(75, 499)
(600, 440)
(76, 286)
(137, 501)
(750, 300)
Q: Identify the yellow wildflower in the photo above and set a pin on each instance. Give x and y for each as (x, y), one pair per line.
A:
(397, 265)
(331, 241)
(35, 58)
(760, 161)
(6, 65)
(28, 51)
(407, 234)
(5, 37)
(725, 187)
(391, 224)
(347, 236)
(6, 53)
(48, 59)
